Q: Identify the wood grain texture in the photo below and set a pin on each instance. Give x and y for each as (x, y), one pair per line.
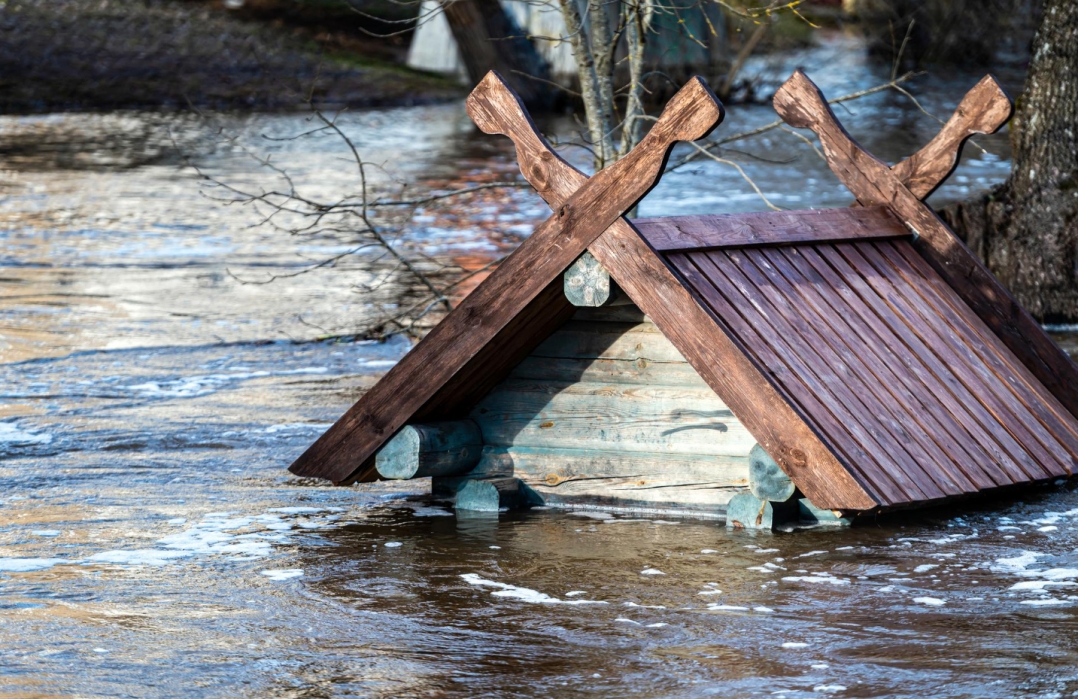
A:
(983, 110)
(769, 228)
(702, 338)
(587, 284)
(436, 449)
(346, 448)
(800, 103)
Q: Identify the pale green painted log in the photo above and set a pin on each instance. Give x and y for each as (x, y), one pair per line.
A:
(586, 283)
(811, 514)
(435, 449)
(623, 371)
(615, 417)
(767, 480)
(493, 494)
(554, 466)
(586, 340)
(746, 511)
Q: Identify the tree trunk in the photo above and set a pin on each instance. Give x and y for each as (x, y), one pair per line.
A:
(1026, 230)
(489, 39)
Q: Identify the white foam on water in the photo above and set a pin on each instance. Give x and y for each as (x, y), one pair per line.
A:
(763, 610)
(820, 666)
(644, 606)
(1047, 602)
(930, 601)
(495, 548)
(726, 608)
(523, 594)
(576, 593)
(135, 557)
(812, 553)
(26, 565)
(392, 544)
(591, 514)
(177, 521)
(298, 427)
(794, 644)
(1049, 528)
(708, 551)
(279, 574)
(829, 688)
(710, 592)
(11, 434)
(422, 510)
(821, 578)
(1041, 584)
(656, 625)
(627, 621)
(1017, 563)
(46, 532)
(303, 510)
(759, 550)
(652, 571)
(925, 568)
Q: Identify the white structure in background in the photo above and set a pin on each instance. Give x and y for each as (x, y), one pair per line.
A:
(434, 49)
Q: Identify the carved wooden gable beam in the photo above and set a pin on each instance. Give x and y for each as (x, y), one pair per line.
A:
(578, 220)
(801, 104)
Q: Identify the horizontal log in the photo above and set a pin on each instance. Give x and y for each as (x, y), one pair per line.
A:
(607, 371)
(766, 480)
(554, 466)
(587, 284)
(435, 449)
(492, 494)
(770, 228)
(673, 496)
(746, 511)
(585, 340)
(683, 420)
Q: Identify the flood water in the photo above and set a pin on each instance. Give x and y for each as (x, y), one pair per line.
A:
(152, 542)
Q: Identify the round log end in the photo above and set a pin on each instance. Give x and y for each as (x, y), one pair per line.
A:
(398, 459)
(767, 480)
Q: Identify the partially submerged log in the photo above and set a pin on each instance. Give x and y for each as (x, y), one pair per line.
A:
(492, 495)
(766, 480)
(746, 511)
(437, 449)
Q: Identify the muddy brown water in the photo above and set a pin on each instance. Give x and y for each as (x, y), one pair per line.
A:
(152, 543)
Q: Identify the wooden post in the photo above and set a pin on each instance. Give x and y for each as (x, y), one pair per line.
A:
(588, 285)
(491, 494)
(746, 511)
(766, 480)
(437, 449)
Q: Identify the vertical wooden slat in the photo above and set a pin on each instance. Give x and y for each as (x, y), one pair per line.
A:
(847, 437)
(1012, 457)
(911, 386)
(978, 378)
(874, 379)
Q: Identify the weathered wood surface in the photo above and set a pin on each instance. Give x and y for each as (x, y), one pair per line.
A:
(770, 228)
(685, 420)
(983, 110)
(553, 466)
(588, 284)
(436, 449)
(624, 341)
(346, 447)
(766, 479)
(807, 513)
(898, 374)
(800, 103)
(702, 337)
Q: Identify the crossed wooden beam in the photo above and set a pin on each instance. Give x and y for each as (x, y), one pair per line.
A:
(588, 216)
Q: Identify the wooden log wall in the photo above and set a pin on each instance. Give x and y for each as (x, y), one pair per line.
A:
(607, 412)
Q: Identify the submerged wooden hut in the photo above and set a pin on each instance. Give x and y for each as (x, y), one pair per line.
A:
(762, 367)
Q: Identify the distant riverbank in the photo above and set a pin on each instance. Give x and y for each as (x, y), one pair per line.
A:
(115, 54)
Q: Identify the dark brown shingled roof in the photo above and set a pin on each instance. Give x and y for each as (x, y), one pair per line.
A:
(898, 376)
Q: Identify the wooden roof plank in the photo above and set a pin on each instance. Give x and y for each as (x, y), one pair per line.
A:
(846, 438)
(872, 376)
(1016, 411)
(937, 343)
(1012, 456)
(779, 424)
(672, 233)
(846, 406)
(905, 383)
(1007, 367)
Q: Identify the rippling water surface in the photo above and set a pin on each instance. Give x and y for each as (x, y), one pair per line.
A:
(152, 543)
